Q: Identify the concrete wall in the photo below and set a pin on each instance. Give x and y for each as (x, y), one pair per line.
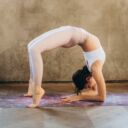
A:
(23, 20)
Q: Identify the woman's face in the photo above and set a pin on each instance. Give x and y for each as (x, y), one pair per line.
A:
(90, 82)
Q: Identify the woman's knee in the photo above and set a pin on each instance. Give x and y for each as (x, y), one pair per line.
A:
(34, 48)
(30, 44)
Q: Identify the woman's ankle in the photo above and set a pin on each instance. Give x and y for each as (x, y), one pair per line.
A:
(38, 90)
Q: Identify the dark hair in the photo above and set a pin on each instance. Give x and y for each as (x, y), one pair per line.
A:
(79, 79)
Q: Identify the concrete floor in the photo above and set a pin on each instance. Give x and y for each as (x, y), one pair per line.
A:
(65, 117)
(92, 116)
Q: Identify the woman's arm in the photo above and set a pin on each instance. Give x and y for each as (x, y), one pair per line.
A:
(101, 87)
(99, 78)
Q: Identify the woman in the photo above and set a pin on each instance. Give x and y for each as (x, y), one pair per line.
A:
(66, 36)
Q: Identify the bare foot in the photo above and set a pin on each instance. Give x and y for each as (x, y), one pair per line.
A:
(30, 90)
(32, 106)
(28, 95)
(37, 98)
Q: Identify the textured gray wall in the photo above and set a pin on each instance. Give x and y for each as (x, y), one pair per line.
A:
(23, 20)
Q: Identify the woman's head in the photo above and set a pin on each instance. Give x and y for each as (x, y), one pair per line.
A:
(81, 78)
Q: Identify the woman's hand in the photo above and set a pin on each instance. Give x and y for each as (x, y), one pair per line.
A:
(82, 96)
(71, 98)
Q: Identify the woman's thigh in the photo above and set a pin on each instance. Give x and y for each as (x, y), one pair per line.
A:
(52, 39)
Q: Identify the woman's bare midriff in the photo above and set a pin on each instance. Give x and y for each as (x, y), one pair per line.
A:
(90, 44)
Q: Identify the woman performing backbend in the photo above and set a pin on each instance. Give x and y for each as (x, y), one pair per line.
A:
(89, 78)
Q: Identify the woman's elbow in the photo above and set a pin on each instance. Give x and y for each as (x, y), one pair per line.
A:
(102, 98)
